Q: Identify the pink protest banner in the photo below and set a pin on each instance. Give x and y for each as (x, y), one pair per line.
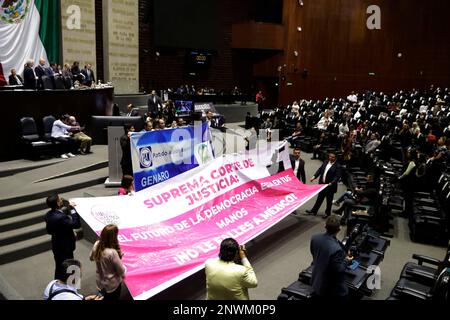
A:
(167, 232)
(159, 255)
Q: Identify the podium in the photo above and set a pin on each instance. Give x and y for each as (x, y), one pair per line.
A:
(114, 157)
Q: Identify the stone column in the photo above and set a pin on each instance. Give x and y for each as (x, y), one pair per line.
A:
(78, 32)
(121, 44)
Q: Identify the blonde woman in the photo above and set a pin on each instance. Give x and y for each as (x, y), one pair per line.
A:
(107, 255)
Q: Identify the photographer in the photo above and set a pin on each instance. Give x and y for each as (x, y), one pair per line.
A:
(230, 276)
(66, 288)
(61, 221)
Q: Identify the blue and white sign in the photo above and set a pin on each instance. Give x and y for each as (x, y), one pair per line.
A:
(161, 155)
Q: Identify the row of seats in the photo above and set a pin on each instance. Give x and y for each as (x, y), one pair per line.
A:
(367, 247)
(56, 82)
(39, 143)
(427, 279)
(429, 220)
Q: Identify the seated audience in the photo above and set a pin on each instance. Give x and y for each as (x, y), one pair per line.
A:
(362, 196)
(298, 130)
(316, 148)
(295, 109)
(353, 98)
(15, 79)
(85, 140)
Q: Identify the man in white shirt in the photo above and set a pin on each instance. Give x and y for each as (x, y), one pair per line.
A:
(298, 165)
(62, 132)
(329, 174)
(352, 98)
(373, 144)
(343, 129)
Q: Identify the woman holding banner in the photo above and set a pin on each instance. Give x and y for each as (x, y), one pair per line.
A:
(108, 257)
(126, 186)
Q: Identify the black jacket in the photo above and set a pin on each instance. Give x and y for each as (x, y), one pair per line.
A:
(126, 162)
(13, 81)
(30, 78)
(134, 113)
(301, 168)
(328, 275)
(333, 175)
(88, 79)
(154, 107)
(60, 226)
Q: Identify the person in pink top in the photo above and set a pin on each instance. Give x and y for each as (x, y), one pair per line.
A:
(107, 255)
(126, 186)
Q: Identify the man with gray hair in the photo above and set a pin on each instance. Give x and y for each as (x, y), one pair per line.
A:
(29, 75)
(78, 134)
(15, 79)
(42, 71)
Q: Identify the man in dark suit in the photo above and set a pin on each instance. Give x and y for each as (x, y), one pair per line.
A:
(132, 111)
(154, 105)
(329, 173)
(60, 225)
(89, 76)
(29, 76)
(214, 122)
(42, 71)
(76, 72)
(329, 262)
(15, 79)
(298, 165)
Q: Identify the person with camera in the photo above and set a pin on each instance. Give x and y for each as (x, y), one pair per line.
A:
(61, 221)
(230, 276)
(65, 288)
(329, 262)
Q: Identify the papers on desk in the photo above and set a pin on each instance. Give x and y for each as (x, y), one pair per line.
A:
(353, 265)
(38, 143)
(360, 212)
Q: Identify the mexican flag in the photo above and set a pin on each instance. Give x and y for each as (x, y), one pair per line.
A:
(29, 29)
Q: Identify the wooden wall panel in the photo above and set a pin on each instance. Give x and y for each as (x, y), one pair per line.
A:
(169, 69)
(339, 51)
(257, 35)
